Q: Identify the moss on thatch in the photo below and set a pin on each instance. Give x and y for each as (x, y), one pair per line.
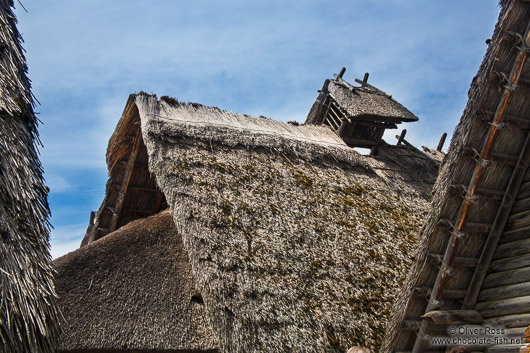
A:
(296, 241)
(28, 314)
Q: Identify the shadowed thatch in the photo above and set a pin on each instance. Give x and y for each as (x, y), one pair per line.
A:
(475, 247)
(28, 314)
(296, 241)
(132, 290)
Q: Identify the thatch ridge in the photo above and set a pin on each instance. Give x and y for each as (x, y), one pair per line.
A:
(296, 241)
(132, 290)
(29, 317)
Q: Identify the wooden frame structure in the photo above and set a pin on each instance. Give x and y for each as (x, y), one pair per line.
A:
(131, 192)
(478, 233)
(359, 115)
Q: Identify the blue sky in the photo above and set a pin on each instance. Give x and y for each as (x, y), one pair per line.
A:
(255, 57)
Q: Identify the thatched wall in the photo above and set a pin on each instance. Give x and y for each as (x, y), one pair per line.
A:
(133, 291)
(475, 194)
(296, 241)
(28, 314)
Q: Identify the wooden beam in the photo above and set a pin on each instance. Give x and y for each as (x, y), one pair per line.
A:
(442, 141)
(504, 307)
(125, 182)
(504, 292)
(500, 279)
(453, 317)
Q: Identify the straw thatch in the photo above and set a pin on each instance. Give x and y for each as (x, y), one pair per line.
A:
(474, 248)
(132, 291)
(360, 103)
(28, 314)
(296, 241)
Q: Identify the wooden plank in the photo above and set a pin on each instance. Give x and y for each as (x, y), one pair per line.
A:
(509, 321)
(512, 249)
(500, 279)
(515, 234)
(125, 182)
(510, 263)
(521, 205)
(453, 317)
(519, 220)
(504, 307)
(509, 291)
(500, 223)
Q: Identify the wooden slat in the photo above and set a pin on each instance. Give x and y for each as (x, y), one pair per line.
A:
(476, 228)
(515, 234)
(510, 263)
(509, 321)
(504, 307)
(125, 182)
(519, 220)
(521, 205)
(509, 291)
(507, 277)
(512, 249)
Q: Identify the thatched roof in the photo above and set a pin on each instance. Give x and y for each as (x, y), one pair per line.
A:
(296, 241)
(474, 248)
(28, 314)
(361, 103)
(132, 290)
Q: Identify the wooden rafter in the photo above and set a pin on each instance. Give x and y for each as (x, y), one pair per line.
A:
(125, 182)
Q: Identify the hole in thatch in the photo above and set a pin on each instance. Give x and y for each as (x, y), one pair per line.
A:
(197, 298)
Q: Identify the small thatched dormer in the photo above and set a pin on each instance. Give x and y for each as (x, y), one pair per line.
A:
(358, 114)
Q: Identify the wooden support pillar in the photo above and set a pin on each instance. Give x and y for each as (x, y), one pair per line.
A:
(442, 141)
(125, 182)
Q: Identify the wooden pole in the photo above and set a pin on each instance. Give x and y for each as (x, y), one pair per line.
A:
(342, 71)
(442, 141)
(401, 137)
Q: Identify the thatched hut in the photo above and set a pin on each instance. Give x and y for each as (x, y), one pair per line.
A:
(358, 114)
(473, 264)
(296, 241)
(132, 292)
(28, 314)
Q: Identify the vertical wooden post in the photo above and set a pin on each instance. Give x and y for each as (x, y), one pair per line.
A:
(442, 141)
(125, 181)
(365, 78)
(342, 71)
